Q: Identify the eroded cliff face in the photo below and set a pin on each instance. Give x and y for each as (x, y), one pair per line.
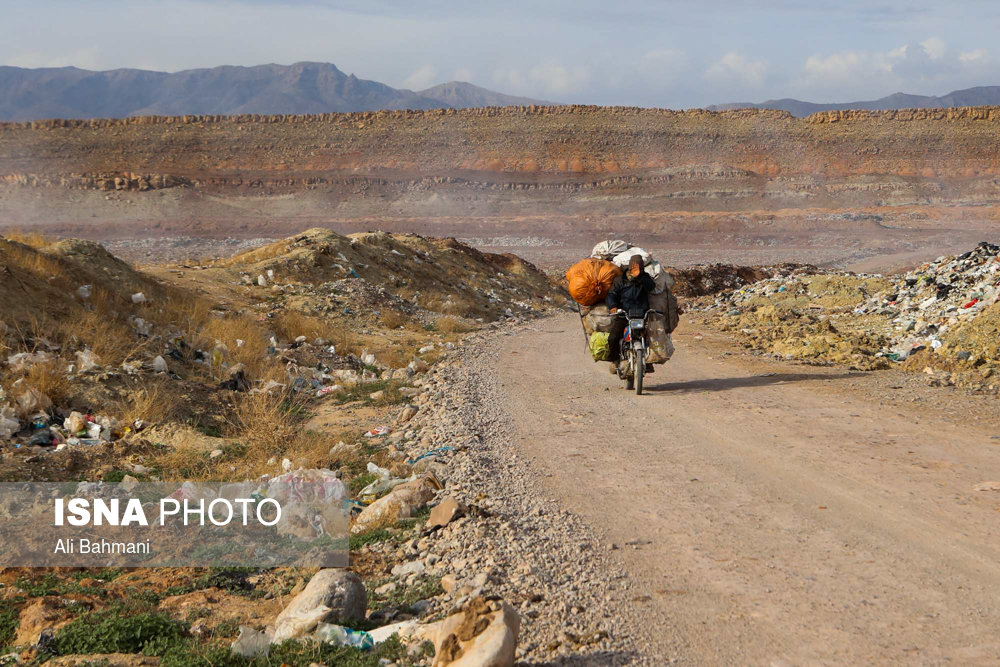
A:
(526, 145)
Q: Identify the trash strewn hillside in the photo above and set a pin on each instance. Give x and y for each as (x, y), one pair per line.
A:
(941, 318)
(305, 357)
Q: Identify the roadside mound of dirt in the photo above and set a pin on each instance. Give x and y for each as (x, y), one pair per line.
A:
(705, 279)
(439, 275)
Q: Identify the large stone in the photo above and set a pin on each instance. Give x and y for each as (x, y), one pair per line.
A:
(331, 596)
(407, 413)
(484, 634)
(445, 511)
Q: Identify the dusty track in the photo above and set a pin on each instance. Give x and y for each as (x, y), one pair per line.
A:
(813, 516)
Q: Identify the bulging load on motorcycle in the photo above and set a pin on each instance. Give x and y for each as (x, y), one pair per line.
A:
(643, 340)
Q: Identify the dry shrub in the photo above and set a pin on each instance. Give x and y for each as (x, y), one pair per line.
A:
(393, 319)
(110, 338)
(452, 325)
(44, 266)
(33, 239)
(155, 402)
(252, 352)
(290, 324)
(185, 311)
(50, 378)
(266, 425)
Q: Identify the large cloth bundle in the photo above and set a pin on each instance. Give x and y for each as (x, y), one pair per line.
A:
(608, 249)
(590, 279)
(597, 318)
(621, 259)
(598, 345)
(661, 348)
(666, 303)
(661, 278)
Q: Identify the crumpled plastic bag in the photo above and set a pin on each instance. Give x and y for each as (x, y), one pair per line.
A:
(251, 643)
(32, 400)
(385, 482)
(341, 636)
(86, 360)
(75, 423)
(9, 425)
(292, 627)
(24, 360)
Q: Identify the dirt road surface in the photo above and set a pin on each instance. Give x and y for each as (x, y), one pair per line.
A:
(774, 514)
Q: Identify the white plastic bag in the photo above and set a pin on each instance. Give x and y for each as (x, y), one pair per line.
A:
(86, 360)
(608, 249)
(8, 423)
(384, 483)
(621, 259)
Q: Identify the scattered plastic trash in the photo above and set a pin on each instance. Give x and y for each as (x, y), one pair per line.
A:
(85, 291)
(385, 482)
(138, 298)
(378, 431)
(160, 364)
(433, 452)
(341, 636)
(251, 643)
(86, 360)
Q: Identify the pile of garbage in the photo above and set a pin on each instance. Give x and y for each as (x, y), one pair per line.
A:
(928, 304)
(942, 315)
(591, 279)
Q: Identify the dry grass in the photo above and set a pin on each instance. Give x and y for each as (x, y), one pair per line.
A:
(229, 331)
(50, 378)
(452, 325)
(393, 319)
(111, 339)
(156, 402)
(290, 324)
(33, 239)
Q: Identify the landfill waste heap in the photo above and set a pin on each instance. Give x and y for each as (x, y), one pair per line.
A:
(941, 318)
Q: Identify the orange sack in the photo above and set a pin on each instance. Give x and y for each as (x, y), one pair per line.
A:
(590, 279)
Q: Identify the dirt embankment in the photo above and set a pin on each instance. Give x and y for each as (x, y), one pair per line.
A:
(871, 157)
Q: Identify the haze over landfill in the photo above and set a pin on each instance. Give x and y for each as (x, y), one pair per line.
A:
(386, 296)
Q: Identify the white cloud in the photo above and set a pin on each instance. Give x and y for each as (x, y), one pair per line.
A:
(934, 47)
(425, 77)
(463, 74)
(923, 67)
(977, 56)
(547, 78)
(735, 68)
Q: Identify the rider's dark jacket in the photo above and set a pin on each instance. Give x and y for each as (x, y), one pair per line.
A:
(631, 294)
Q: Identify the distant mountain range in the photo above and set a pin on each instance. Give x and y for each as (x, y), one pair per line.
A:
(306, 87)
(970, 97)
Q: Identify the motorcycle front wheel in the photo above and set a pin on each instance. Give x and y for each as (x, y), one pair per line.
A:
(630, 371)
(640, 370)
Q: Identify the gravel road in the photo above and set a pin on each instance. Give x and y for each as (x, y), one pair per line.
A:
(770, 513)
(745, 511)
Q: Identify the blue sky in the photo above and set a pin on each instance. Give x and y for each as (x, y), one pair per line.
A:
(669, 53)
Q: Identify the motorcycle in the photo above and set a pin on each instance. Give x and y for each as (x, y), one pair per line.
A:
(633, 346)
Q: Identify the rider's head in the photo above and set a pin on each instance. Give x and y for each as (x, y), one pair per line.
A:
(635, 265)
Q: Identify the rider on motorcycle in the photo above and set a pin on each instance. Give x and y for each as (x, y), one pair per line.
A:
(630, 294)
